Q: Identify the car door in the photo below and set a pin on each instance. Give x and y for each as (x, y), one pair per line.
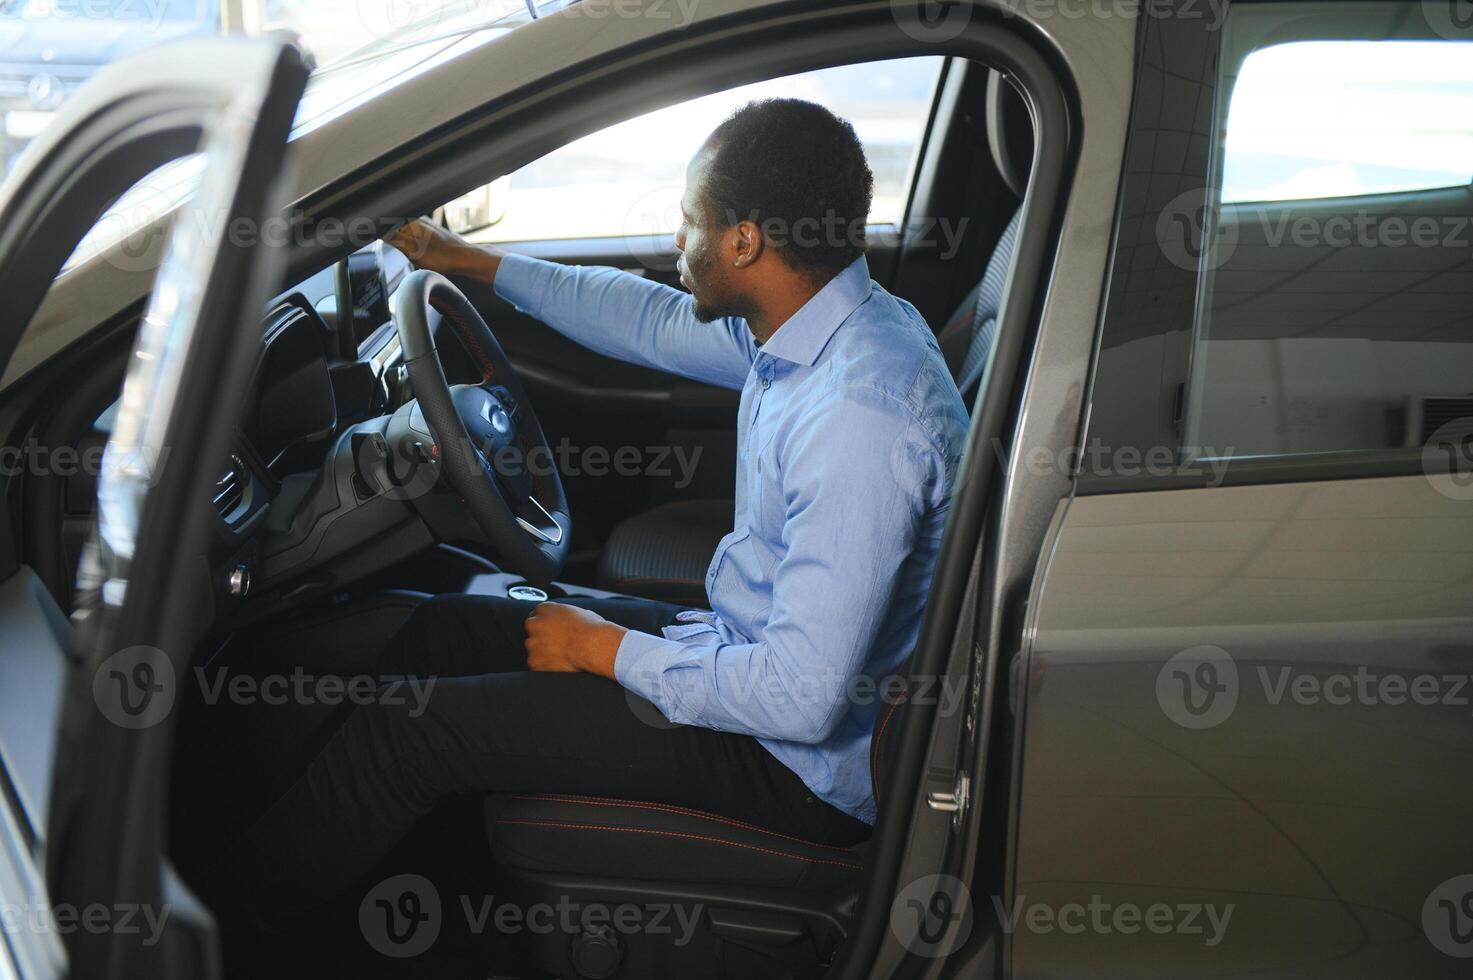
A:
(83, 705)
(1244, 699)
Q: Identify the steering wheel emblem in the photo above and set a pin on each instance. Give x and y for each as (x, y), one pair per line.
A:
(497, 418)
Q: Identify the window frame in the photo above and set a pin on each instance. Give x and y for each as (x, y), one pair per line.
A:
(926, 113)
(1140, 381)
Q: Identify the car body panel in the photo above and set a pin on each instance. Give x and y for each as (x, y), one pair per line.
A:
(1318, 819)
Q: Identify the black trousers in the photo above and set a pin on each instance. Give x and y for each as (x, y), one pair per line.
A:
(488, 725)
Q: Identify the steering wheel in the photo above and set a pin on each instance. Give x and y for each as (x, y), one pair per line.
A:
(486, 435)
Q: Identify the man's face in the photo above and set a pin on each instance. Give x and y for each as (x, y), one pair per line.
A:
(705, 267)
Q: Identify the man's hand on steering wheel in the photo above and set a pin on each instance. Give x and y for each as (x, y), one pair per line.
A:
(438, 249)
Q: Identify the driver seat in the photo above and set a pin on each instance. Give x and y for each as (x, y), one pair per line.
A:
(663, 553)
(659, 890)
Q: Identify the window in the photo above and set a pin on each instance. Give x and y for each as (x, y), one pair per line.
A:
(627, 179)
(1335, 299)
(1319, 119)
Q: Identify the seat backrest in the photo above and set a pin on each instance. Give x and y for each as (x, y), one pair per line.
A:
(883, 741)
(966, 339)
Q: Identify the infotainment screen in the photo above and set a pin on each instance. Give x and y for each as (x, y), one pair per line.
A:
(367, 292)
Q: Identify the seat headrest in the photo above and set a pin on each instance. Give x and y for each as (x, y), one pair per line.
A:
(1009, 132)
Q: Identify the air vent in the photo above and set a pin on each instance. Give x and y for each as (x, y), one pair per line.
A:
(230, 488)
(1448, 417)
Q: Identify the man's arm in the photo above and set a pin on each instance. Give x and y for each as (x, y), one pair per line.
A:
(861, 477)
(614, 313)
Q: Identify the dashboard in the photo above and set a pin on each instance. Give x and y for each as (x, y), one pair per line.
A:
(329, 360)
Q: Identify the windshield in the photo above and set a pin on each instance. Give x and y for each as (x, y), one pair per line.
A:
(334, 89)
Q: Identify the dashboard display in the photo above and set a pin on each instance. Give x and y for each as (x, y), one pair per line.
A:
(373, 273)
(368, 292)
(294, 400)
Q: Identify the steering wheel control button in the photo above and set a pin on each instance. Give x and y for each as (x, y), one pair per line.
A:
(526, 593)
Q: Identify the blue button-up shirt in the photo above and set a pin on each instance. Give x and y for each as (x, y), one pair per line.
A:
(849, 434)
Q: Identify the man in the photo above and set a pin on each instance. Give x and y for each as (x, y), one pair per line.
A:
(849, 435)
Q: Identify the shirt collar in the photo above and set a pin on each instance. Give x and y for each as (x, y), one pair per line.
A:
(803, 335)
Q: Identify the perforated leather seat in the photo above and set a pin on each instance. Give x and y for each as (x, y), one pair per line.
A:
(769, 904)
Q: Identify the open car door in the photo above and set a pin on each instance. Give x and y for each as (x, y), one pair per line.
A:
(84, 706)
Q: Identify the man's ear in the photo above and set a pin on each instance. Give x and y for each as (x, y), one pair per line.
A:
(747, 243)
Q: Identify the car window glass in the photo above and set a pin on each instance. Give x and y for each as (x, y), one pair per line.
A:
(627, 179)
(1335, 306)
(1318, 119)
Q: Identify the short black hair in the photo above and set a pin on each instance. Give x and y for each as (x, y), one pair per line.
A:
(798, 171)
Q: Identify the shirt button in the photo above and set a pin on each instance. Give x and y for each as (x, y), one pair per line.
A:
(766, 383)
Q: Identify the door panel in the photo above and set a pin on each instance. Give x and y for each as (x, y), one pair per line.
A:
(82, 782)
(1198, 733)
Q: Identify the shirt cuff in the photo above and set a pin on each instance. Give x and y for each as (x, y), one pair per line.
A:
(521, 281)
(641, 661)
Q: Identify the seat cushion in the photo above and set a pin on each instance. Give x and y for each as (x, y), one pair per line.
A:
(663, 553)
(600, 837)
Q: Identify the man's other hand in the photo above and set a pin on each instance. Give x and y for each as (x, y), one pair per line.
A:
(561, 637)
(431, 247)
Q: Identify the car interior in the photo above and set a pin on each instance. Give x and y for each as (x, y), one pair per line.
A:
(332, 526)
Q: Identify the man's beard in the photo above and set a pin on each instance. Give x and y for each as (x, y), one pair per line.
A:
(698, 266)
